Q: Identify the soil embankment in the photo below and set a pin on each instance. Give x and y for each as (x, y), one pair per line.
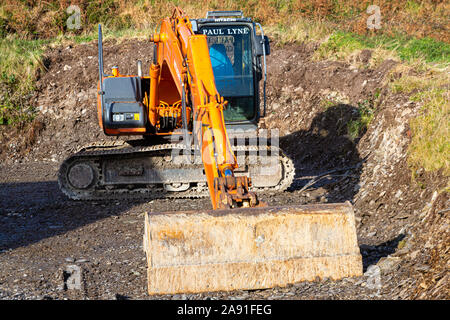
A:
(402, 225)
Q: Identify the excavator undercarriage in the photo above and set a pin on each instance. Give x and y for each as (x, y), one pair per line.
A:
(133, 169)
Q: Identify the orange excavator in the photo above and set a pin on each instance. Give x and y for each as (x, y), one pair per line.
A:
(202, 92)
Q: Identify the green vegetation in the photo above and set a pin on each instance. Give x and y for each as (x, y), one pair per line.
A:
(299, 30)
(430, 145)
(22, 60)
(19, 62)
(326, 104)
(39, 19)
(356, 128)
(341, 44)
(428, 60)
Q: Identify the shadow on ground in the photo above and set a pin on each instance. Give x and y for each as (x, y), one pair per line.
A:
(325, 156)
(32, 211)
(372, 254)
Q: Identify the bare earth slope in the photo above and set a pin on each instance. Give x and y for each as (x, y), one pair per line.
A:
(402, 228)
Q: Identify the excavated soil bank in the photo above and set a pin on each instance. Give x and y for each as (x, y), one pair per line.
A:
(402, 225)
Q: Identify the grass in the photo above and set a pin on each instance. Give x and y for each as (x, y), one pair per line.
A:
(107, 34)
(39, 19)
(356, 128)
(299, 30)
(427, 85)
(423, 75)
(341, 45)
(430, 145)
(20, 60)
(326, 104)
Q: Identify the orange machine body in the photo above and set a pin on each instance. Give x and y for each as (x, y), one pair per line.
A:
(182, 68)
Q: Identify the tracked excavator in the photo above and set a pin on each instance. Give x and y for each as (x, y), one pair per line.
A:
(194, 116)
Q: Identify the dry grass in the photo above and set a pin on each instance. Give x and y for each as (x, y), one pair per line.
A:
(300, 30)
(341, 45)
(430, 144)
(417, 77)
(428, 86)
(47, 19)
(423, 73)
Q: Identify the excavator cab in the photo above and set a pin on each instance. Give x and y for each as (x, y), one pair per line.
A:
(238, 56)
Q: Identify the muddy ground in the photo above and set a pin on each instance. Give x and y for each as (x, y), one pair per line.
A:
(402, 225)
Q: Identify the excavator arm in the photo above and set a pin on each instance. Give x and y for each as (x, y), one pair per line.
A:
(186, 56)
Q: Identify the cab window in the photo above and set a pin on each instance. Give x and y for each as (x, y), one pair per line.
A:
(231, 58)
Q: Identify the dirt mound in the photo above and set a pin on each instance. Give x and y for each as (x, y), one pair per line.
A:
(347, 133)
(313, 103)
(66, 98)
(428, 251)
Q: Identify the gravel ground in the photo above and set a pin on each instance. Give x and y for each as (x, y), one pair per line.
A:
(43, 234)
